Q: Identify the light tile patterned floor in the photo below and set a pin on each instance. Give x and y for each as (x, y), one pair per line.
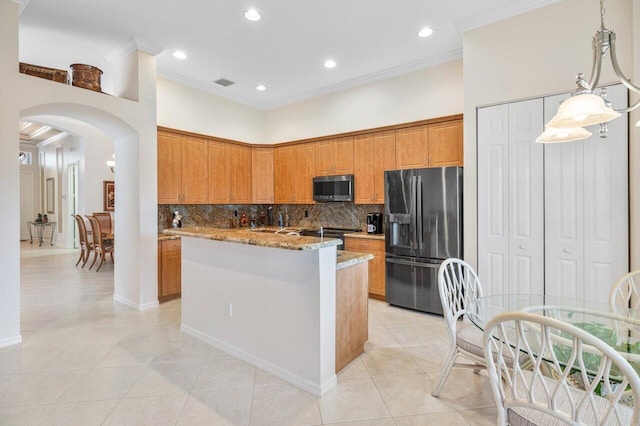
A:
(87, 360)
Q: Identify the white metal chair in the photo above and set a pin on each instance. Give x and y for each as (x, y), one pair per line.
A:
(525, 396)
(459, 285)
(626, 291)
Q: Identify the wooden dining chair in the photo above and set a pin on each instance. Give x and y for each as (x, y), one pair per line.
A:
(592, 381)
(459, 285)
(100, 246)
(105, 222)
(86, 246)
(626, 291)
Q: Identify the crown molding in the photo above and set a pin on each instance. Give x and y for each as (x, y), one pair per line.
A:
(134, 43)
(326, 90)
(501, 14)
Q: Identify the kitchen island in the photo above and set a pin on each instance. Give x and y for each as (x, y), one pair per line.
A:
(270, 299)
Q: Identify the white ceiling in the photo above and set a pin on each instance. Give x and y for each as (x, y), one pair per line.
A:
(285, 50)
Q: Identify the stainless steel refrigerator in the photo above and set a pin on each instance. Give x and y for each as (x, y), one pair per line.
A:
(423, 227)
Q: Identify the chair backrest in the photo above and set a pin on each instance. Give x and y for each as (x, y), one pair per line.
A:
(82, 230)
(96, 232)
(458, 285)
(519, 347)
(105, 221)
(626, 291)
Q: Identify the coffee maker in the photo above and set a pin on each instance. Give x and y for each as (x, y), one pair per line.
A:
(374, 223)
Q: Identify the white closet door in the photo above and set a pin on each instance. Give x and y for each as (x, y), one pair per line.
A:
(526, 199)
(564, 212)
(493, 225)
(586, 208)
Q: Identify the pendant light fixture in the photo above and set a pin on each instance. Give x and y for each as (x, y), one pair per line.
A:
(584, 107)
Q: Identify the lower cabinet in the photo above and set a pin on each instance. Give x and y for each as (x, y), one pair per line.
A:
(376, 265)
(169, 269)
(352, 313)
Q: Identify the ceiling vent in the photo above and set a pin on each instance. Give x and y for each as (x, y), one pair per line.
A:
(224, 82)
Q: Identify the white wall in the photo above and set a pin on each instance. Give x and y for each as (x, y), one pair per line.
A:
(428, 93)
(530, 55)
(184, 108)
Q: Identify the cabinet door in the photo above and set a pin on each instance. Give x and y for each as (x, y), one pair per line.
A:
(384, 158)
(304, 160)
(169, 168)
(171, 269)
(376, 265)
(445, 144)
(493, 197)
(240, 173)
(343, 156)
(219, 171)
(262, 175)
(194, 170)
(364, 190)
(324, 157)
(411, 148)
(283, 190)
(526, 200)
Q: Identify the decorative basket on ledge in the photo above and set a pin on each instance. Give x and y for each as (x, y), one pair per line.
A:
(60, 76)
(86, 76)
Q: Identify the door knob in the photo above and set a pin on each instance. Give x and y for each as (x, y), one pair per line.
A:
(521, 246)
(566, 250)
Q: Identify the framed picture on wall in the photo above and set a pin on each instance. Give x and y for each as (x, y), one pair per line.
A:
(50, 195)
(109, 195)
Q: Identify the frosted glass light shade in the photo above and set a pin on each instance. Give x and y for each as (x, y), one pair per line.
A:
(582, 110)
(552, 135)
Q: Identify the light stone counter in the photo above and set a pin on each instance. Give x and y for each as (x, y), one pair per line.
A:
(344, 259)
(264, 237)
(365, 236)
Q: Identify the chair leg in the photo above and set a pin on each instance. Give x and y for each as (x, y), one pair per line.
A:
(102, 256)
(446, 369)
(112, 261)
(87, 254)
(81, 257)
(95, 257)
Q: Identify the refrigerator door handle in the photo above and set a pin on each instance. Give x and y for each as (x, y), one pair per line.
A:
(409, 263)
(419, 217)
(414, 224)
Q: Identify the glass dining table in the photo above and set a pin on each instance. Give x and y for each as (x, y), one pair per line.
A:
(618, 327)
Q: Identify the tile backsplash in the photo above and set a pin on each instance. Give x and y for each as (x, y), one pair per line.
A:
(342, 215)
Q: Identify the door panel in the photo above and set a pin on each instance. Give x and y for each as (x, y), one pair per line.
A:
(27, 207)
(427, 293)
(401, 287)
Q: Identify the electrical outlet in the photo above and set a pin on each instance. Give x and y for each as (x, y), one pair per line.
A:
(229, 309)
(306, 213)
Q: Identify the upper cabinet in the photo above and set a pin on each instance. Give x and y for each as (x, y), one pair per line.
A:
(293, 173)
(230, 173)
(262, 175)
(334, 157)
(432, 145)
(375, 153)
(182, 169)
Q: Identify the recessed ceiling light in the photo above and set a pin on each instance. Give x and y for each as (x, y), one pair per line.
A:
(252, 15)
(261, 87)
(329, 63)
(425, 32)
(179, 54)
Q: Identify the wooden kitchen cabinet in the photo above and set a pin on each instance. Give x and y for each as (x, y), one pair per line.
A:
(334, 157)
(432, 145)
(352, 314)
(445, 144)
(262, 175)
(182, 169)
(230, 173)
(377, 268)
(169, 269)
(294, 168)
(375, 153)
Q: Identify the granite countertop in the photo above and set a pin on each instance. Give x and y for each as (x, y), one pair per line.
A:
(365, 236)
(165, 237)
(265, 237)
(345, 259)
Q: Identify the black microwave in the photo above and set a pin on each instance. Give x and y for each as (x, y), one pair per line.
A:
(333, 188)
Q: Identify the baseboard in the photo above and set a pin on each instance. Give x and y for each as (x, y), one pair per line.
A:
(296, 380)
(134, 305)
(9, 341)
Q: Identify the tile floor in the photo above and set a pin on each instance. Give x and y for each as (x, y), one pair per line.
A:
(87, 360)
